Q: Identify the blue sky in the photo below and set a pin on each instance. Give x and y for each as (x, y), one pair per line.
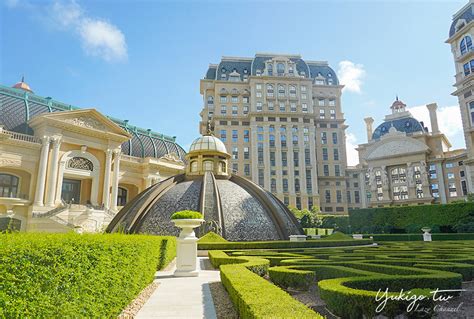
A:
(142, 60)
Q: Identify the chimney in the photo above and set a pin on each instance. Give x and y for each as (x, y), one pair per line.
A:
(368, 123)
(433, 117)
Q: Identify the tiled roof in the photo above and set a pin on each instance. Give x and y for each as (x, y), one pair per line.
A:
(467, 15)
(17, 107)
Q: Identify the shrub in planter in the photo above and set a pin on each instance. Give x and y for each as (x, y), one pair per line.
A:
(187, 214)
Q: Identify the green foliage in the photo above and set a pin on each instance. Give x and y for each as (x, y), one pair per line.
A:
(211, 237)
(76, 276)
(253, 296)
(419, 237)
(187, 214)
(389, 219)
(338, 236)
(307, 218)
(349, 278)
(280, 244)
(340, 223)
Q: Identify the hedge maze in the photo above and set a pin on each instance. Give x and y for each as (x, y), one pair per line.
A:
(349, 279)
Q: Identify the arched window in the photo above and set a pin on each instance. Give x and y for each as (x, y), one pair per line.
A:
(122, 196)
(466, 44)
(270, 90)
(208, 166)
(281, 91)
(270, 69)
(194, 167)
(8, 185)
(292, 90)
(80, 163)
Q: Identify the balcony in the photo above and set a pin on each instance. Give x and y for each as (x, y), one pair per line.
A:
(466, 56)
(18, 136)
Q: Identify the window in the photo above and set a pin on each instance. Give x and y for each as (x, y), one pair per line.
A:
(336, 154)
(121, 196)
(272, 140)
(271, 107)
(285, 185)
(466, 44)
(337, 170)
(280, 69)
(223, 99)
(272, 159)
(235, 99)
(281, 91)
(235, 168)
(260, 137)
(295, 159)
(321, 102)
(270, 90)
(8, 186)
(356, 197)
(450, 175)
(332, 102)
(304, 107)
(260, 153)
(273, 185)
(261, 178)
(258, 86)
(327, 196)
(322, 114)
(292, 90)
(324, 139)
(286, 201)
(333, 114)
(246, 153)
(334, 138)
(246, 136)
(282, 107)
(270, 69)
(452, 190)
(247, 169)
(283, 140)
(310, 202)
(303, 88)
(284, 159)
(462, 174)
(223, 109)
(449, 165)
(304, 96)
(235, 136)
(307, 156)
(235, 153)
(223, 135)
(309, 185)
(348, 196)
(325, 154)
(210, 100)
(464, 188)
(326, 170)
(471, 110)
(297, 185)
(293, 107)
(259, 106)
(245, 109)
(295, 139)
(234, 110)
(245, 99)
(338, 196)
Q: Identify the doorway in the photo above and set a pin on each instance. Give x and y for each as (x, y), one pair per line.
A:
(71, 191)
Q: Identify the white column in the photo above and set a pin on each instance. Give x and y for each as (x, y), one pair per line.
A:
(53, 172)
(115, 182)
(106, 191)
(43, 165)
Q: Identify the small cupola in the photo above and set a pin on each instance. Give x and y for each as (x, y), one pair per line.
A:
(22, 85)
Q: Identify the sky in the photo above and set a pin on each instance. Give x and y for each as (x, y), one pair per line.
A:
(143, 60)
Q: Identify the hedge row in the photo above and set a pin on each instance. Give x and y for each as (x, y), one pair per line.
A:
(253, 296)
(402, 217)
(349, 278)
(76, 276)
(419, 237)
(283, 244)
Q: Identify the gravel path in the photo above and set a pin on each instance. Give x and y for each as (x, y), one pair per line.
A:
(224, 307)
(133, 308)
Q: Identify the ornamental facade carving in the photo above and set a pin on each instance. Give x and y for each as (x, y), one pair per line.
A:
(88, 122)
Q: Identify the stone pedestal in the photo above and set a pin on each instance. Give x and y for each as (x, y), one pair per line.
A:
(186, 253)
(426, 234)
(357, 236)
(298, 238)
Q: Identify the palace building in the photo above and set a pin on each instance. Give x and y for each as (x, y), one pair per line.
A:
(404, 163)
(281, 119)
(62, 167)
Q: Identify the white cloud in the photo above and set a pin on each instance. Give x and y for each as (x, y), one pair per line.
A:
(351, 75)
(449, 119)
(98, 37)
(352, 154)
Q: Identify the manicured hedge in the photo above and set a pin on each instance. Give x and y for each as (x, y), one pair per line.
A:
(253, 296)
(283, 244)
(76, 276)
(402, 217)
(419, 237)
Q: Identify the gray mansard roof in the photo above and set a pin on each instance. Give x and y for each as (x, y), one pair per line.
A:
(250, 66)
(466, 15)
(18, 106)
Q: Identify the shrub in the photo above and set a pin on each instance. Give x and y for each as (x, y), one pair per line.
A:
(338, 236)
(280, 244)
(402, 217)
(253, 296)
(187, 214)
(80, 276)
(211, 237)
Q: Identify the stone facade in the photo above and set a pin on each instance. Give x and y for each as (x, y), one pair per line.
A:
(62, 167)
(404, 163)
(278, 114)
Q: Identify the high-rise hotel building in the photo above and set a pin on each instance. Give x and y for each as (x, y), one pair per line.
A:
(281, 119)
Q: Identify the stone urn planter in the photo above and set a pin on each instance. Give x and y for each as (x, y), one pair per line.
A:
(426, 233)
(186, 252)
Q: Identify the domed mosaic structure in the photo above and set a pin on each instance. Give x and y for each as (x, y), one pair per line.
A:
(234, 207)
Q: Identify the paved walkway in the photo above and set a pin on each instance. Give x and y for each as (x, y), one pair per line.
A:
(182, 297)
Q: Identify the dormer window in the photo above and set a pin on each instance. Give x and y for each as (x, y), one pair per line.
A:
(280, 69)
(466, 44)
(270, 69)
(259, 72)
(245, 71)
(290, 70)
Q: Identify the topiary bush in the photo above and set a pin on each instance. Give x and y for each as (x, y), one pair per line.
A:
(77, 276)
(187, 214)
(211, 237)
